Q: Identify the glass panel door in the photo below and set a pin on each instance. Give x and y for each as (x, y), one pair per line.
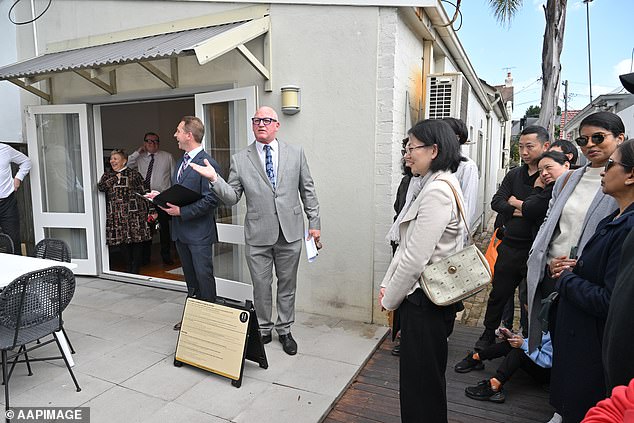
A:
(226, 115)
(61, 178)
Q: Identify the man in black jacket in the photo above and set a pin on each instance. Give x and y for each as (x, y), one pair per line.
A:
(510, 267)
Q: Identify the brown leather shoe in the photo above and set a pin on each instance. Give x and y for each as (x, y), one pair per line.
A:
(177, 326)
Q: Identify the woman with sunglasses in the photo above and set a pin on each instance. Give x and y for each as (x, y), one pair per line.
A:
(577, 206)
(577, 378)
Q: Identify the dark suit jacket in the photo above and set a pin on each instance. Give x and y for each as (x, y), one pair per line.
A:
(577, 380)
(197, 222)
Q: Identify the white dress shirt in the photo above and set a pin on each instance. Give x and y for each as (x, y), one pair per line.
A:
(10, 155)
(275, 150)
(191, 154)
(162, 170)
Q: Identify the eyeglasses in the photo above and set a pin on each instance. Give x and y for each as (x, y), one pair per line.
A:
(408, 150)
(152, 141)
(597, 138)
(610, 163)
(265, 121)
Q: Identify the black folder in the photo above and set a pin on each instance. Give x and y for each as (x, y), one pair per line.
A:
(177, 195)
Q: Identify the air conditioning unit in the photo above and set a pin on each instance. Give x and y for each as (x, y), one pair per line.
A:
(447, 96)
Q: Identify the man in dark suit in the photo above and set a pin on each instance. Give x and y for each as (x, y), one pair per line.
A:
(194, 226)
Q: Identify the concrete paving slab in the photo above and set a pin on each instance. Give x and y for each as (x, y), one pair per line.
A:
(60, 392)
(121, 364)
(120, 404)
(173, 412)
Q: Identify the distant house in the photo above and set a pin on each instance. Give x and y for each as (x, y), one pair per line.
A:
(364, 71)
(620, 103)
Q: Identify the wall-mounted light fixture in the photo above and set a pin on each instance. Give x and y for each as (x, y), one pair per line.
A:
(291, 99)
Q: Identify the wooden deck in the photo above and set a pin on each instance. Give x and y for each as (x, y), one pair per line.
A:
(373, 395)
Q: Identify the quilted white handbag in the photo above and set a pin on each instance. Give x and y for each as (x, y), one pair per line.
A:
(458, 276)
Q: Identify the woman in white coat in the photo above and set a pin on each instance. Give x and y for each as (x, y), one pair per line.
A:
(430, 230)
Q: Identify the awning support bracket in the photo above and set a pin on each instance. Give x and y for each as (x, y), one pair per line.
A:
(110, 88)
(31, 89)
(170, 81)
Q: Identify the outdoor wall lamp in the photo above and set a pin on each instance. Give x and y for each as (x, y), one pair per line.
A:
(291, 99)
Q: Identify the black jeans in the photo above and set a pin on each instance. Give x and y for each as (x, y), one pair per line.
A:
(10, 221)
(423, 360)
(510, 269)
(514, 359)
(166, 238)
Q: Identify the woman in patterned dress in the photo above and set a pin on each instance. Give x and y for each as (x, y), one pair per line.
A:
(126, 212)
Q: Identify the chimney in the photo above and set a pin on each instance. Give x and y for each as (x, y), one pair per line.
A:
(508, 82)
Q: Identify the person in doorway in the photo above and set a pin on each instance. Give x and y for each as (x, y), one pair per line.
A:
(510, 267)
(273, 175)
(194, 225)
(9, 184)
(126, 212)
(157, 167)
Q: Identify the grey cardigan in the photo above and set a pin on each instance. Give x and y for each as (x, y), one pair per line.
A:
(602, 205)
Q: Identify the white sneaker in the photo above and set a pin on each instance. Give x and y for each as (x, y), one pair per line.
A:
(556, 418)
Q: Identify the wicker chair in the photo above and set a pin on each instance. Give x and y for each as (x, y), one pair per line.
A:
(52, 249)
(6, 244)
(31, 308)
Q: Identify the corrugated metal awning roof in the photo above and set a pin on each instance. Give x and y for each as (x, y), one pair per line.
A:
(135, 50)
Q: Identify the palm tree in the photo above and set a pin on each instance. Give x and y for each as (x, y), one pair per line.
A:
(555, 14)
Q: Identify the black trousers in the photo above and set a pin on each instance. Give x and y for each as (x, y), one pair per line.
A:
(510, 269)
(166, 238)
(133, 254)
(514, 359)
(423, 360)
(10, 221)
(197, 262)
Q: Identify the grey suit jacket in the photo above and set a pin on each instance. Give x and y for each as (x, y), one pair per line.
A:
(602, 205)
(268, 209)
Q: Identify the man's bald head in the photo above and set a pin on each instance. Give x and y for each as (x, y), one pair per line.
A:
(265, 124)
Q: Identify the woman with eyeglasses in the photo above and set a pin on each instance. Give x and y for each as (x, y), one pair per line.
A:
(431, 229)
(126, 212)
(577, 206)
(585, 292)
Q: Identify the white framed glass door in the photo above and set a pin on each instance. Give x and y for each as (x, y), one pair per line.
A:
(62, 179)
(227, 118)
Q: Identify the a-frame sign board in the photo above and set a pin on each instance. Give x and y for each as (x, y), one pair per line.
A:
(218, 336)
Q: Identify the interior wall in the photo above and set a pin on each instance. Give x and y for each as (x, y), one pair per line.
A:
(123, 125)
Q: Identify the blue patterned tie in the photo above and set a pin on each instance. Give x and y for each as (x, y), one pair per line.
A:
(183, 167)
(268, 161)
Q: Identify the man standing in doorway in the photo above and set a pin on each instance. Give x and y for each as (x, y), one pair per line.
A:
(273, 176)
(194, 226)
(9, 216)
(157, 167)
(510, 267)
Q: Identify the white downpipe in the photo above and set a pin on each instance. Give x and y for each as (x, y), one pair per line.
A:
(37, 53)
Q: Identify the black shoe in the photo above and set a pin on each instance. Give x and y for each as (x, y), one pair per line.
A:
(486, 339)
(266, 338)
(396, 350)
(288, 344)
(483, 392)
(469, 363)
(177, 326)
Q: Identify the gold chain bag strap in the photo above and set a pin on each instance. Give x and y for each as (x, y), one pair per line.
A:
(458, 276)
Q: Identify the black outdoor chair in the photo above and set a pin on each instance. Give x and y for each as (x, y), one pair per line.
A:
(31, 308)
(54, 249)
(6, 244)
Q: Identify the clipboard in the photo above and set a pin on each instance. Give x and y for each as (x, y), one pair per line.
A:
(178, 195)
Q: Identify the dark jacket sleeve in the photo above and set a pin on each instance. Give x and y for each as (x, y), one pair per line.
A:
(499, 202)
(589, 297)
(535, 205)
(208, 201)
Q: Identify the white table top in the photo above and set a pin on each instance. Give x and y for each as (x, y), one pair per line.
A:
(12, 266)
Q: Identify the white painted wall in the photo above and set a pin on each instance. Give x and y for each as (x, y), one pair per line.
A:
(627, 115)
(10, 126)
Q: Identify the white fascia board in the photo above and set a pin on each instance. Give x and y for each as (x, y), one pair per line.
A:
(386, 3)
(227, 41)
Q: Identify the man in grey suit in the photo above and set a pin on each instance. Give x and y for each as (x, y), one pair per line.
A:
(273, 176)
(194, 225)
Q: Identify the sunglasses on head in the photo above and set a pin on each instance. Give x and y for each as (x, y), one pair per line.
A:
(597, 138)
